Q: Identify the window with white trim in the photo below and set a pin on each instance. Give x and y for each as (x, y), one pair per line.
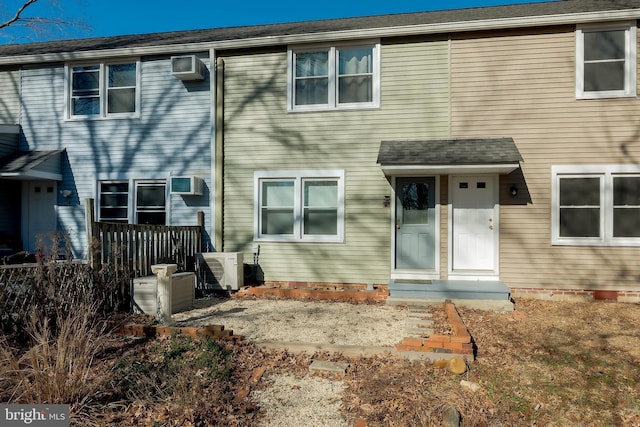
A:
(606, 61)
(596, 205)
(133, 201)
(103, 90)
(333, 77)
(299, 205)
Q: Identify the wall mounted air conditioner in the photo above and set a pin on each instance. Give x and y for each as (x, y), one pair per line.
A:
(187, 67)
(187, 185)
(220, 270)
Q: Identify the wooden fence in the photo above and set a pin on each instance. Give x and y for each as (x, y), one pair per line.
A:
(141, 246)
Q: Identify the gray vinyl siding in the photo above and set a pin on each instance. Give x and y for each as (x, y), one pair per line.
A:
(171, 137)
(523, 85)
(261, 135)
(10, 97)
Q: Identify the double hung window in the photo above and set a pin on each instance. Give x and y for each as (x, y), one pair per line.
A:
(136, 202)
(333, 77)
(103, 90)
(596, 205)
(606, 61)
(299, 205)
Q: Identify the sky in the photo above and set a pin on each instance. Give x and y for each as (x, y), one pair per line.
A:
(122, 17)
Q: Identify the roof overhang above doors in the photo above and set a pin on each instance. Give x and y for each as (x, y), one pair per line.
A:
(32, 165)
(449, 156)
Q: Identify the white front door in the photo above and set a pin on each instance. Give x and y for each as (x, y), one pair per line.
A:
(41, 214)
(474, 223)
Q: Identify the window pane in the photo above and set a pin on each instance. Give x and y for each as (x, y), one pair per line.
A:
(604, 76)
(277, 193)
(113, 214)
(86, 106)
(114, 187)
(601, 45)
(579, 222)
(580, 191)
(321, 194)
(320, 222)
(277, 221)
(312, 64)
(151, 218)
(85, 80)
(312, 91)
(355, 89)
(150, 196)
(355, 61)
(122, 101)
(114, 200)
(122, 75)
(626, 191)
(626, 222)
(414, 198)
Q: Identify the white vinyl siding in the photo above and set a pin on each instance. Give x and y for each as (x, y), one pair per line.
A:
(606, 61)
(10, 93)
(170, 137)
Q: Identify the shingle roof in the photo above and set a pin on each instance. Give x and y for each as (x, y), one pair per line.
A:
(468, 151)
(558, 7)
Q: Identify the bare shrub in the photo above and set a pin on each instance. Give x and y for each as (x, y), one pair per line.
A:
(57, 365)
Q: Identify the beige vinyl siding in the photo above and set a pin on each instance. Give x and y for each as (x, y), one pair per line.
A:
(261, 135)
(10, 98)
(523, 86)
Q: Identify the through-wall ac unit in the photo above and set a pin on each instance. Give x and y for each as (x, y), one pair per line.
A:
(187, 185)
(187, 67)
(220, 270)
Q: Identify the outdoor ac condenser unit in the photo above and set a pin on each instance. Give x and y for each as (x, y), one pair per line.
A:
(187, 67)
(220, 270)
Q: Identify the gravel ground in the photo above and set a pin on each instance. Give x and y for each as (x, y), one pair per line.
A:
(290, 321)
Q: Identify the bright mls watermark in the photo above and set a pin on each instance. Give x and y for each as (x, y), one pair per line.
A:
(34, 415)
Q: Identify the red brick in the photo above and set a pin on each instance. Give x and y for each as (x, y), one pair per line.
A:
(415, 342)
(360, 422)
(439, 338)
(434, 344)
(461, 338)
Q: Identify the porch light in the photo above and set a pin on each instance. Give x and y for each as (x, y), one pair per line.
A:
(513, 190)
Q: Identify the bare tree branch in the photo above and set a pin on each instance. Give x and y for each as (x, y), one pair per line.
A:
(17, 17)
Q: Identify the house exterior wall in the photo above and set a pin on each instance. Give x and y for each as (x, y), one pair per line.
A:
(261, 135)
(522, 84)
(172, 136)
(10, 101)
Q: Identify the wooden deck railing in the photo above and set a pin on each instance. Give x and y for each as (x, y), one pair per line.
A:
(141, 246)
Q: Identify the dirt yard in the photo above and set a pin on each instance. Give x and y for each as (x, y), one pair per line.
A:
(546, 363)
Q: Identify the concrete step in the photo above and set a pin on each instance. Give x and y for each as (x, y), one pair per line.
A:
(489, 305)
(449, 289)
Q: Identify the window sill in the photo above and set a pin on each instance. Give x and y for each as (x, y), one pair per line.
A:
(298, 240)
(605, 95)
(329, 109)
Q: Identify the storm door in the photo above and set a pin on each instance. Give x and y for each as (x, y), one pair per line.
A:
(415, 223)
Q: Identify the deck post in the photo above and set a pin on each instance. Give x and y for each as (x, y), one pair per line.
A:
(164, 274)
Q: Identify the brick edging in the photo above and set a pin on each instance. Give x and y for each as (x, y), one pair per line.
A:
(460, 342)
(150, 331)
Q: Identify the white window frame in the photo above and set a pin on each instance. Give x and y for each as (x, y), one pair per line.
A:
(333, 103)
(606, 173)
(298, 177)
(629, 65)
(132, 207)
(103, 70)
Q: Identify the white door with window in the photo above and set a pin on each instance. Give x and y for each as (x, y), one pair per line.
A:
(41, 214)
(474, 225)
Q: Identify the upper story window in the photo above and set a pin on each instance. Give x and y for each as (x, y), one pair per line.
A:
(606, 61)
(103, 90)
(332, 77)
(596, 205)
